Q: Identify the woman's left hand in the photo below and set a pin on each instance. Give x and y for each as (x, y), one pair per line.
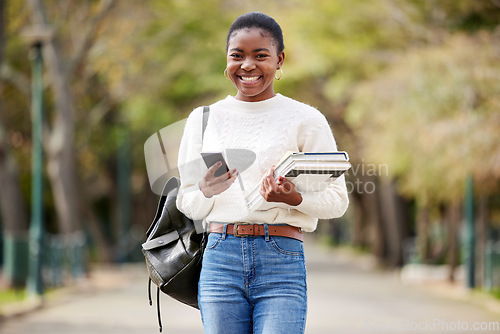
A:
(281, 190)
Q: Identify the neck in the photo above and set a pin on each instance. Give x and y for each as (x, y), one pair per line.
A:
(241, 97)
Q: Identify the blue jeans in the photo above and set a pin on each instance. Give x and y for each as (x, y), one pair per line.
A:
(253, 285)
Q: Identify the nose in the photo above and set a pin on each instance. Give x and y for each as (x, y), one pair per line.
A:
(248, 64)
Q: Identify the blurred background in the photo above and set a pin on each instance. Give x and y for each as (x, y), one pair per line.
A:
(411, 89)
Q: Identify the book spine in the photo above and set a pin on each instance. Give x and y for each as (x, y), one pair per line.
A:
(297, 172)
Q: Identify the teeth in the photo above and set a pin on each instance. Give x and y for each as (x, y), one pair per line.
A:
(250, 78)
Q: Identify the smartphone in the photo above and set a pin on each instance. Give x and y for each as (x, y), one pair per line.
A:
(211, 158)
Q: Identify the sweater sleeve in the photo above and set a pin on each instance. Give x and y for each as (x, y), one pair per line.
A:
(332, 202)
(190, 199)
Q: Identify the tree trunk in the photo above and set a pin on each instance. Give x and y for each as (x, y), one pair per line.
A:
(366, 226)
(393, 214)
(423, 247)
(453, 218)
(358, 221)
(12, 205)
(482, 239)
(374, 234)
(105, 250)
(60, 141)
(378, 238)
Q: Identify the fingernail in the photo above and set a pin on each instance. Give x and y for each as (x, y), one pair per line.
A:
(219, 163)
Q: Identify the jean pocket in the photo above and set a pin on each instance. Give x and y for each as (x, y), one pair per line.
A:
(287, 246)
(213, 240)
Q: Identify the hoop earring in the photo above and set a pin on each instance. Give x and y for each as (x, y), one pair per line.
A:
(225, 74)
(281, 76)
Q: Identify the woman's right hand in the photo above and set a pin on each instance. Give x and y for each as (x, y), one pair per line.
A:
(211, 185)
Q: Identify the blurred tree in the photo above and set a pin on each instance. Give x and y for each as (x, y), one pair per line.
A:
(12, 206)
(449, 98)
(170, 59)
(62, 70)
(59, 142)
(435, 116)
(60, 138)
(459, 15)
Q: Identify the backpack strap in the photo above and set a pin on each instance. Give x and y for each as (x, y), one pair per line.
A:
(206, 113)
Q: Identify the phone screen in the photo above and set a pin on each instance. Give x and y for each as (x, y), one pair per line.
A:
(211, 158)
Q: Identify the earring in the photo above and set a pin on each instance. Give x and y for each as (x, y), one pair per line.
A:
(281, 76)
(225, 74)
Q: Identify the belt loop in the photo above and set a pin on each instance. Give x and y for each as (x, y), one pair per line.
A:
(224, 232)
(266, 230)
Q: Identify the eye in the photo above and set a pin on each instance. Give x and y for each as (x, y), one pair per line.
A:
(235, 55)
(262, 56)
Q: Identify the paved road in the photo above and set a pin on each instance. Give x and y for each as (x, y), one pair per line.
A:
(344, 297)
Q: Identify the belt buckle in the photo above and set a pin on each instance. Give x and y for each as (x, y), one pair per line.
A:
(235, 231)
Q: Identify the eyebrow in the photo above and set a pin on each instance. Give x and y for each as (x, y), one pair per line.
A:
(256, 50)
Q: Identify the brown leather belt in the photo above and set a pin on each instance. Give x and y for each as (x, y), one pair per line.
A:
(246, 230)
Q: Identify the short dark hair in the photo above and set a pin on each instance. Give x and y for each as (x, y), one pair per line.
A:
(257, 20)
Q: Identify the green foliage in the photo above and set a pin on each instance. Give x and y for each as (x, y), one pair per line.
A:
(171, 59)
(433, 116)
(337, 41)
(460, 15)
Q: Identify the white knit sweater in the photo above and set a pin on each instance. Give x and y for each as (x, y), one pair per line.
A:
(269, 129)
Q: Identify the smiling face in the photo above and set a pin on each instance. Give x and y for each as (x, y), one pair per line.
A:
(252, 61)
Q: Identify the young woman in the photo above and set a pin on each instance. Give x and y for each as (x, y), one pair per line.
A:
(253, 277)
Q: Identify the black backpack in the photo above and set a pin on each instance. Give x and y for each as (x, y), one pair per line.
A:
(174, 249)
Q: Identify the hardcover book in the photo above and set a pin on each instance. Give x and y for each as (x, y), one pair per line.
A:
(309, 171)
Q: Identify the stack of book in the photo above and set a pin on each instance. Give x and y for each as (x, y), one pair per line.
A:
(309, 171)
